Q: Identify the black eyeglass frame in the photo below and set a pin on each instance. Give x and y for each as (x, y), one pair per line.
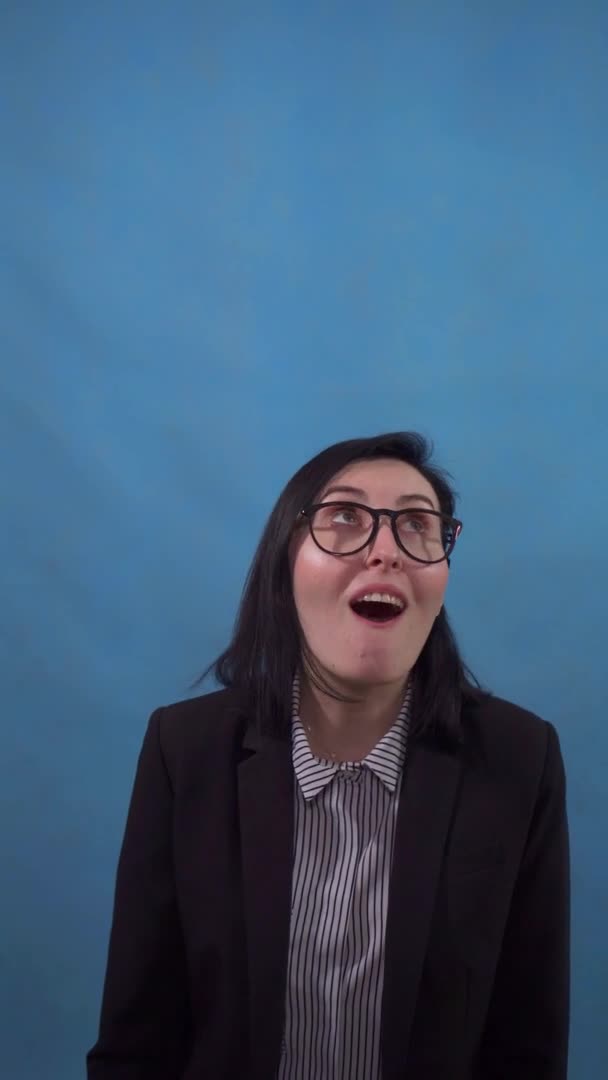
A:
(377, 513)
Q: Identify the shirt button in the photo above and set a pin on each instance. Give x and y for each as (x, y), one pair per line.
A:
(349, 774)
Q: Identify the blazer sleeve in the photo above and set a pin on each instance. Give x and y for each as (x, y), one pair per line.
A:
(526, 1033)
(143, 1033)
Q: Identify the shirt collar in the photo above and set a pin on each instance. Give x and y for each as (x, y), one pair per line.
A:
(385, 760)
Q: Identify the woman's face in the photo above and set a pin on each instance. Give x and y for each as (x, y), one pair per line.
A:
(353, 650)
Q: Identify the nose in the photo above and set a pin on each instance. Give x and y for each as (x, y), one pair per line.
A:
(384, 548)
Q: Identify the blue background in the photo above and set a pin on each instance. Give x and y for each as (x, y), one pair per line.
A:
(234, 233)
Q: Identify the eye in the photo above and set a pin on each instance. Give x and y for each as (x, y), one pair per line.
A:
(415, 522)
(345, 515)
(422, 524)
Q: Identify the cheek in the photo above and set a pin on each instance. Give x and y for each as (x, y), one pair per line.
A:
(429, 584)
(318, 579)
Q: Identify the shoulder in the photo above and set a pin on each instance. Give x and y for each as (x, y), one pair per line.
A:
(212, 724)
(217, 705)
(497, 716)
(510, 739)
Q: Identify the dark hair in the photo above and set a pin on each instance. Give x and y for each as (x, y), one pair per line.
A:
(267, 646)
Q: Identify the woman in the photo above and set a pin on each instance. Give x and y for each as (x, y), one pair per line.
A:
(350, 863)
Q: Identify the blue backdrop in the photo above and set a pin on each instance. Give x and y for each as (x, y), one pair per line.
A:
(234, 233)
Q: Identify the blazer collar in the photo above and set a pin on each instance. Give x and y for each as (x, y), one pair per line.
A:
(428, 793)
(265, 794)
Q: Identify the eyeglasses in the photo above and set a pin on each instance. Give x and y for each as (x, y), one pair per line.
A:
(344, 528)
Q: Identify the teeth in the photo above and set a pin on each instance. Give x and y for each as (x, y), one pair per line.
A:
(382, 598)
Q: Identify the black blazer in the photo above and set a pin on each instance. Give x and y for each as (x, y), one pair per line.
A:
(477, 969)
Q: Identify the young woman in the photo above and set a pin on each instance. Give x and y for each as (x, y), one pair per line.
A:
(350, 863)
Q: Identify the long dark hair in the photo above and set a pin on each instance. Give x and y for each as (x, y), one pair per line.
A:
(267, 646)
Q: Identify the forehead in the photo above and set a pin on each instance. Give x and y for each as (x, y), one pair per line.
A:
(383, 481)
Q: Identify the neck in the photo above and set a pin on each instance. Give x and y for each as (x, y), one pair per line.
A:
(348, 730)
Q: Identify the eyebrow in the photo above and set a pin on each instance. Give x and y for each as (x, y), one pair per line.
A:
(360, 494)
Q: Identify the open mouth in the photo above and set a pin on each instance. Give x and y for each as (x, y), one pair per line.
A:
(378, 611)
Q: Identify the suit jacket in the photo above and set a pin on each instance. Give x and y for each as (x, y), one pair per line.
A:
(476, 970)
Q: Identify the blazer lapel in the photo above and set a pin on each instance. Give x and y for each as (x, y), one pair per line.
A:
(425, 809)
(265, 784)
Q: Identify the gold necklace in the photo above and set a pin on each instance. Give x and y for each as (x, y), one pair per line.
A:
(329, 755)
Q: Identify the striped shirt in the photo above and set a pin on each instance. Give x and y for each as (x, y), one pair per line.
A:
(345, 817)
